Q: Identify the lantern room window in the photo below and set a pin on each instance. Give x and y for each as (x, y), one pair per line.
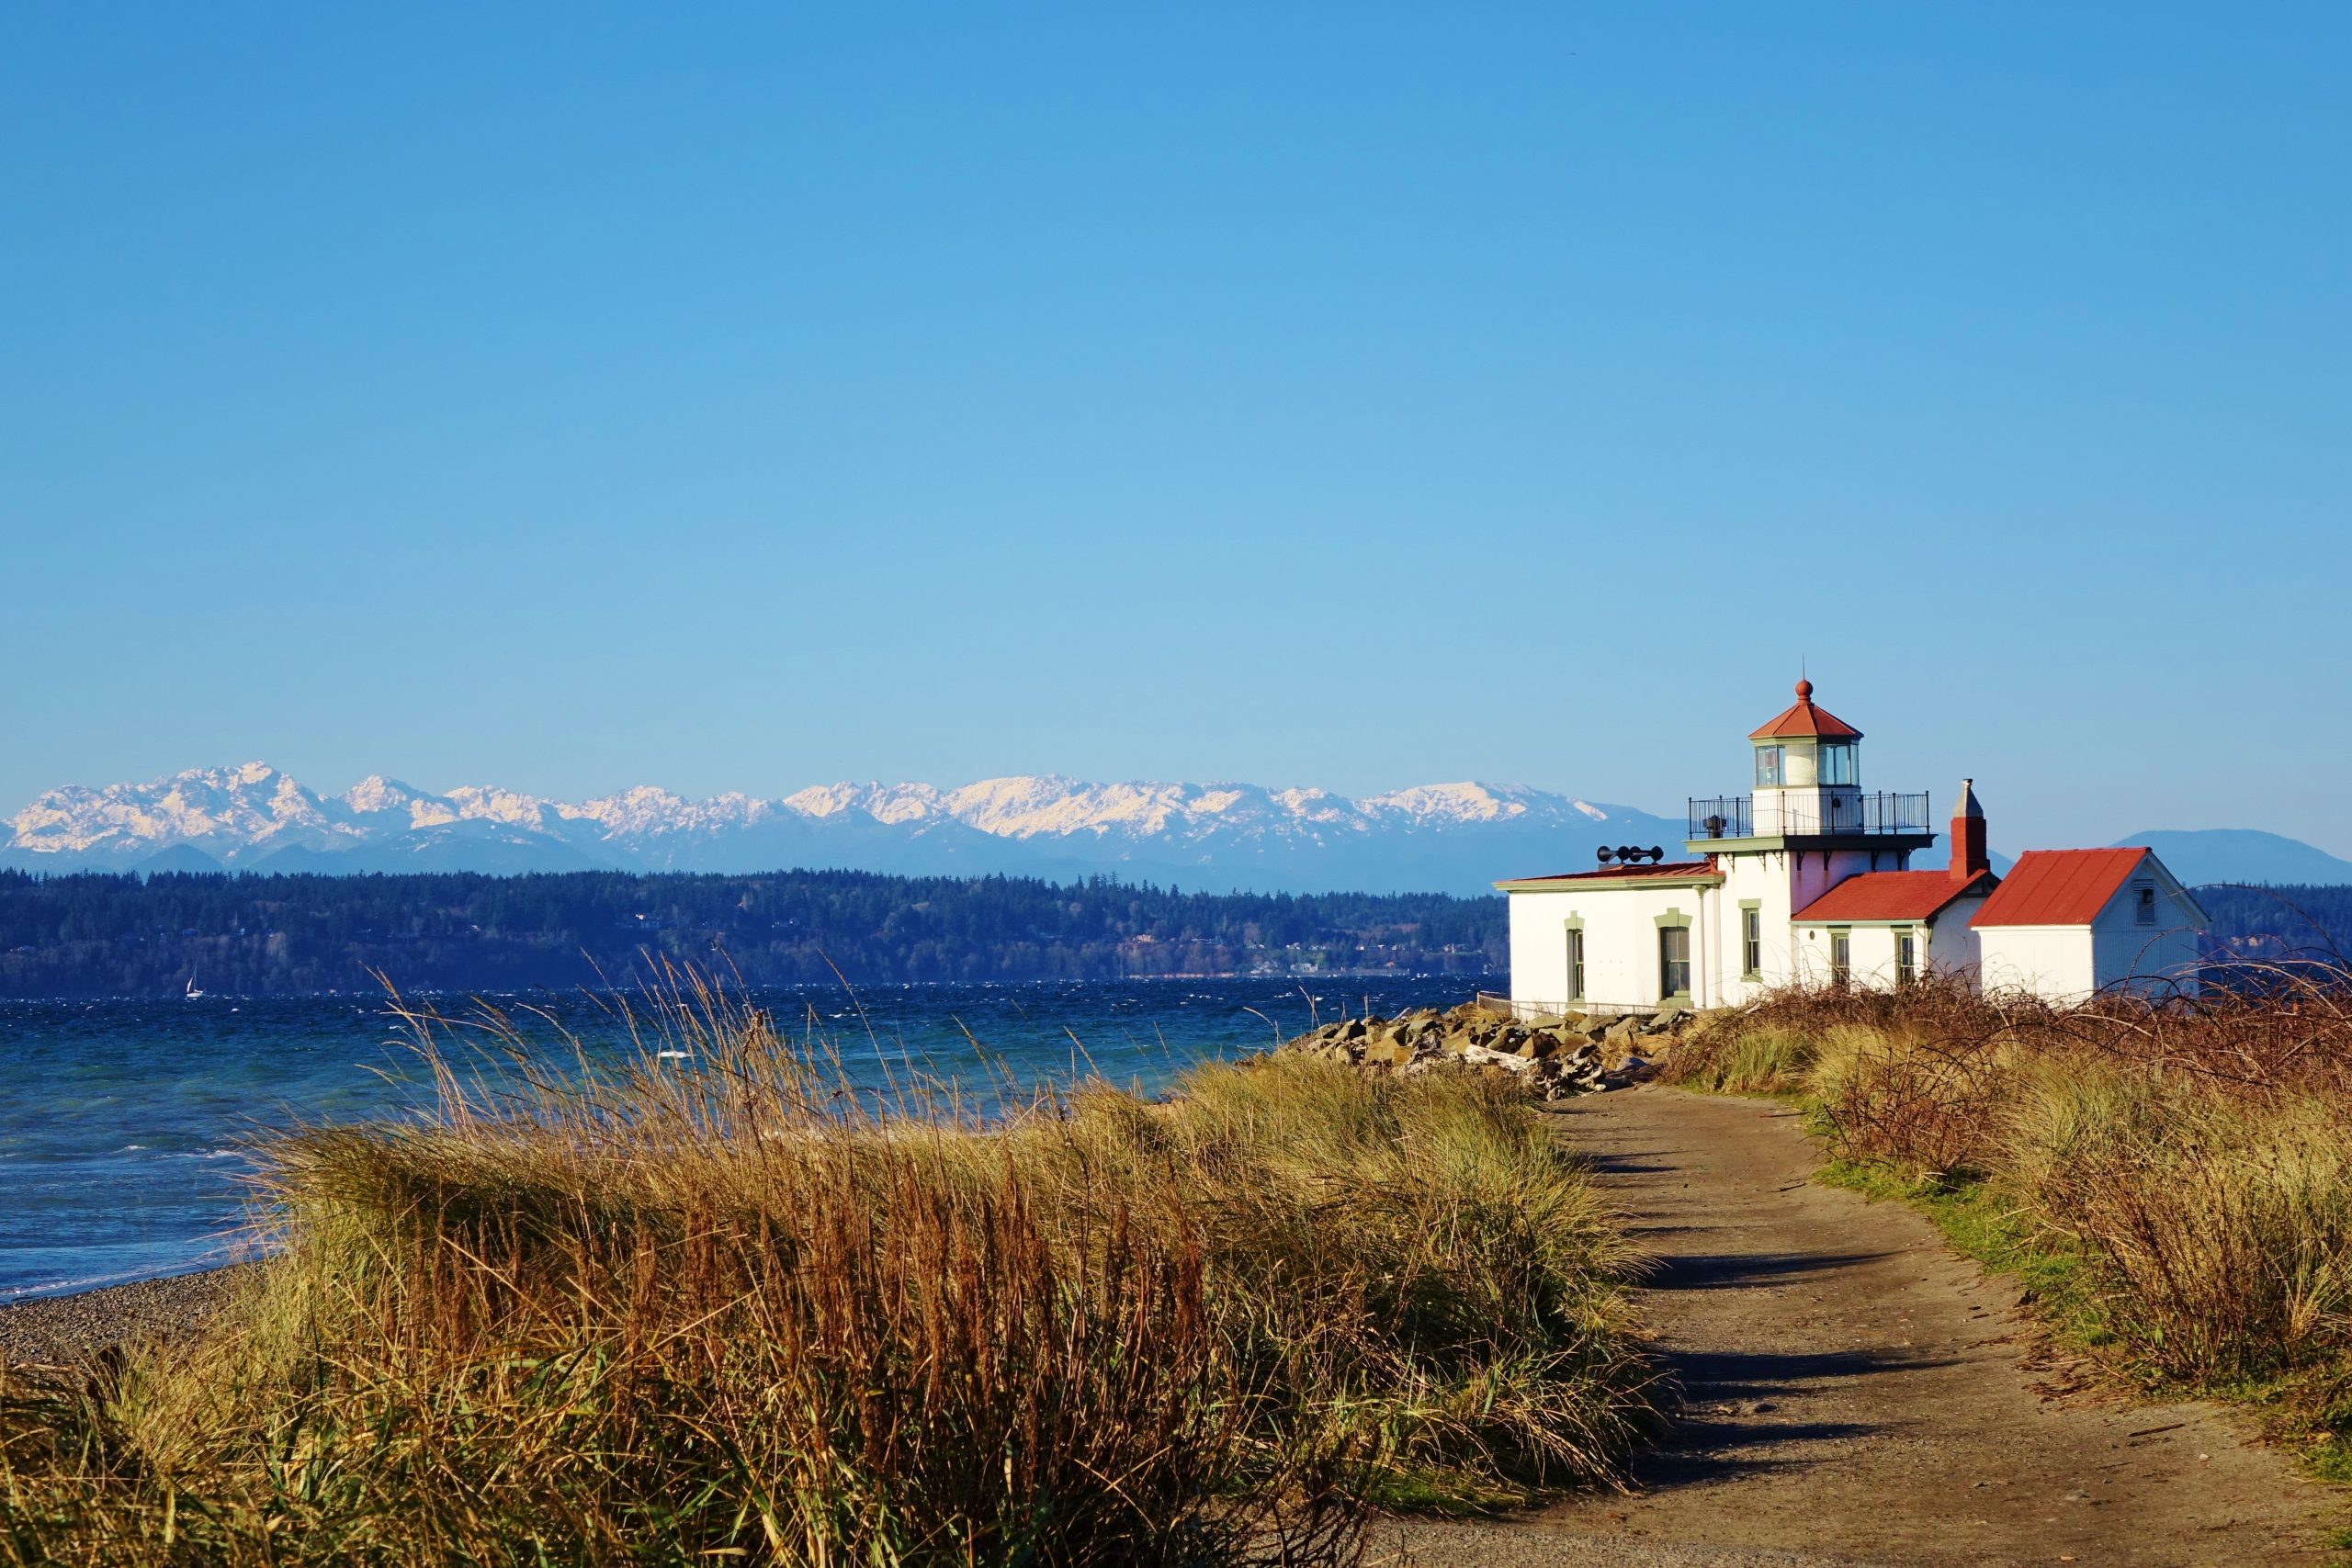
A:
(1837, 762)
(1769, 765)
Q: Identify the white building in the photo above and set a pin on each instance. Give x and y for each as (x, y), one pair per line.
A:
(2065, 924)
(1807, 881)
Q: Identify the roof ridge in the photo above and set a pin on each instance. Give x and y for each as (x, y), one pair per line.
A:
(2060, 887)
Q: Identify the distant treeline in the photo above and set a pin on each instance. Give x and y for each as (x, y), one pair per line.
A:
(2279, 922)
(97, 935)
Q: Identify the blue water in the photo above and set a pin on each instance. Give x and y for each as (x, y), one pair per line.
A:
(125, 1126)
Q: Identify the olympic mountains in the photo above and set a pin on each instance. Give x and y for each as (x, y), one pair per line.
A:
(1455, 837)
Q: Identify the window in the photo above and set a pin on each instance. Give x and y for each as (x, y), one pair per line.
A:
(1575, 964)
(2143, 904)
(1841, 958)
(1767, 764)
(1751, 943)
(1907, 959)
(1836, 763)
(1673, 961)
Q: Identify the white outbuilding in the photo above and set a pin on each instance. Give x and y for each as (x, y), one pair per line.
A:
(1806, 881)
(2066, 923)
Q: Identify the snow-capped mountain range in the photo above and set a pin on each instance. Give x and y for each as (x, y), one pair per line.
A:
(1449, 837)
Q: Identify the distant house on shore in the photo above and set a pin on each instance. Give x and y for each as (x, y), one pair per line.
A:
(1806, 881)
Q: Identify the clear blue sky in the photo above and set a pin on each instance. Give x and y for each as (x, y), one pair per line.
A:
(736, 398)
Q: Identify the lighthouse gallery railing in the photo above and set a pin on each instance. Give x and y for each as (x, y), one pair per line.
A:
(1734, 817)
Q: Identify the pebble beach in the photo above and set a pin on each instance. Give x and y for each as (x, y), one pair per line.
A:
(61, 1331)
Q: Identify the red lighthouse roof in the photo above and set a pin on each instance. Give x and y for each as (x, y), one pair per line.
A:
(1806, 721)
(1893, 896)
(2059, 887)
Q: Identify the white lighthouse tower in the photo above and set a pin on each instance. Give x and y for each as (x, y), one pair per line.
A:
(1806, 828)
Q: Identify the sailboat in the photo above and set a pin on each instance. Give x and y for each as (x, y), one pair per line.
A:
(192, 992)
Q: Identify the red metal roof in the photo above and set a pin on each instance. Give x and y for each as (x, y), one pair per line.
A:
(1684, 869)
(2058, 887)
(1804, 719)
(1893, 896)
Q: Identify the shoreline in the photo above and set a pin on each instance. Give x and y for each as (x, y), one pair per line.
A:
(435, 993)
(64, 1330)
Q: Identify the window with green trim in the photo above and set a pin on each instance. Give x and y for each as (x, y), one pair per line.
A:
(1674, 961)
(1575, 964)
(1751, 942)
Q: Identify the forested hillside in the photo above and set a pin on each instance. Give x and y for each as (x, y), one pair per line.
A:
(105, 935)
(2279, 922)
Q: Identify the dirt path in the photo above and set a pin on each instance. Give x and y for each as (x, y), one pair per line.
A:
(1858, 1395)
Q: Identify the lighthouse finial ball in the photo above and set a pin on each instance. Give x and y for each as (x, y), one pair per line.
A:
(1804, 691)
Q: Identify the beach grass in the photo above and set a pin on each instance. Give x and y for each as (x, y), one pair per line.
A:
(701, 1302)
(2170, 1176)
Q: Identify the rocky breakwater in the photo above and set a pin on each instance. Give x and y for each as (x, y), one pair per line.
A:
(1555, 1057)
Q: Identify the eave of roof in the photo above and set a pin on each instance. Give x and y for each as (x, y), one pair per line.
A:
(1669, 873)
(2059, 887)
(1892, 895)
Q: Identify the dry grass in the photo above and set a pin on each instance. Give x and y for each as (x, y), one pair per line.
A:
(714, 1309)
(2194, 1152)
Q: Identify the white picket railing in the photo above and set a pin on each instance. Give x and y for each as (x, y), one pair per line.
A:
(1523, 1010)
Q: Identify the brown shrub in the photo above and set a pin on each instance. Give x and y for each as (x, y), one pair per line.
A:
(712, 1308)
(2195, 1149)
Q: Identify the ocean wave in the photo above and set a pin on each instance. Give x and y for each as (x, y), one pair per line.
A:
(75, 1284)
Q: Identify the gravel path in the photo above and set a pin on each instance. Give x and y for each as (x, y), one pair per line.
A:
(1858, 1395)
(52, 1331)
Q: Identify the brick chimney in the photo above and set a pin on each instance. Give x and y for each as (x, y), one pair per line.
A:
(1968, 854)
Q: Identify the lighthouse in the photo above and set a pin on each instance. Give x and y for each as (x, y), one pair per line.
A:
(1806, 880)
(1721, 925)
